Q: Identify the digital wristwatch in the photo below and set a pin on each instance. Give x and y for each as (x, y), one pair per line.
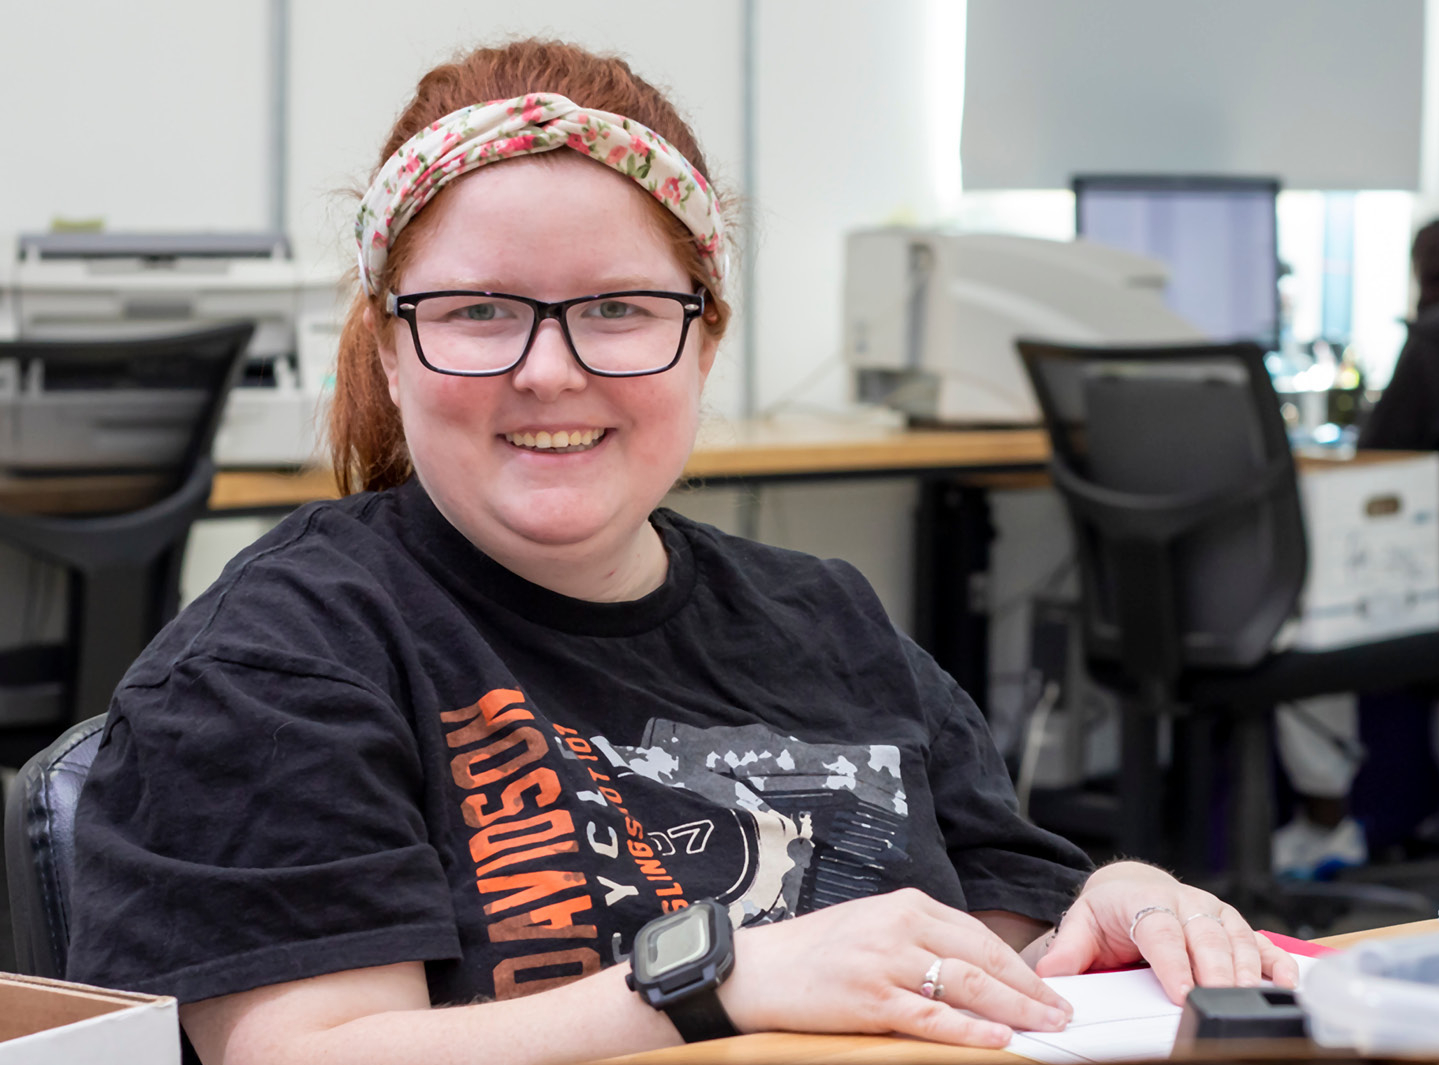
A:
(678, 962)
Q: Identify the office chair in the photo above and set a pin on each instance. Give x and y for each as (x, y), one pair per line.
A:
(1175, 469)
(124, 565)
(40, 847)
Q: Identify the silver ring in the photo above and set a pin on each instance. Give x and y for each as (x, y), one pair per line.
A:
(930, 987)
(1195, 916)
(1149, 911)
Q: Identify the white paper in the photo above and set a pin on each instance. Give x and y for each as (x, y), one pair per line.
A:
(1117, 1016)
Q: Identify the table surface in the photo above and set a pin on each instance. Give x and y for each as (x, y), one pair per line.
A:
(767, 448)
(789, 447)
(792, 1048)
(776, 449)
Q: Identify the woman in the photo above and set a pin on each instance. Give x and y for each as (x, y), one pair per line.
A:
(1406, 417)
(463, 734)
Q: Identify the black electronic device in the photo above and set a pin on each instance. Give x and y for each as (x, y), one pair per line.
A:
(1218, 235)
(1221, 1013)
(678, 963)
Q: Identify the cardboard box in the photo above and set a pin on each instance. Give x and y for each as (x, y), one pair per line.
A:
(44, 1022)
(1373, 529)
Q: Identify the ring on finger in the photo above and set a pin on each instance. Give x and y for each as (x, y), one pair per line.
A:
(1195, 916)
(930, 987)
(1149, 911)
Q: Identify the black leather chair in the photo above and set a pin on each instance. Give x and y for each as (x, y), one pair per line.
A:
(40, 847)
(124, 564)
(1175, 468)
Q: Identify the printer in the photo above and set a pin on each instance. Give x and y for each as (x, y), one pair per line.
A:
(84, 285)
(931, 316)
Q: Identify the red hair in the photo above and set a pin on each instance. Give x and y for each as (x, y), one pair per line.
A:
(366, 438)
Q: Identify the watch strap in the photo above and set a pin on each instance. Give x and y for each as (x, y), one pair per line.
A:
(701, 1016)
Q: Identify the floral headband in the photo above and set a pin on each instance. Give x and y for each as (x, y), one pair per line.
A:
(538, 122)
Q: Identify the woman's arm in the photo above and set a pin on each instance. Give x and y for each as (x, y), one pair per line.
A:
(856, 967)
(383, 1014)
(1019, 931)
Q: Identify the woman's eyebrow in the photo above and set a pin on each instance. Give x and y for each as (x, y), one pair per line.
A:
(614, 283)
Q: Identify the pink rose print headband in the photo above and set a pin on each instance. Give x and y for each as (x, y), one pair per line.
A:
(539, 122)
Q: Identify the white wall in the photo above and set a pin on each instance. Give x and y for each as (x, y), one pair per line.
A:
(1323, 93)
(150, 114)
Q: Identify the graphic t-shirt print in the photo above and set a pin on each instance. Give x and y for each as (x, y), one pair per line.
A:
(577, 841)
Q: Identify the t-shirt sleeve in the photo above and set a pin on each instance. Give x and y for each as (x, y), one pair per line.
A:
(246, 826)
(1004, 861)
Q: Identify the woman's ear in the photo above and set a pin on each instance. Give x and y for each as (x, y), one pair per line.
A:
(389, 359)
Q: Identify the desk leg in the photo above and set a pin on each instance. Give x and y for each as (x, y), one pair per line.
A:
(953, 533)
(1252, 817)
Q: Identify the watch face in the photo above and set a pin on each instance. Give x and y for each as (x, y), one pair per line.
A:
(670, 944)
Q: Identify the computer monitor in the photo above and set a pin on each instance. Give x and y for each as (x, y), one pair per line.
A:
(1217, 235)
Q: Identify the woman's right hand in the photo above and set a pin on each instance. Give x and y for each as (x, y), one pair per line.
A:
(858, 967)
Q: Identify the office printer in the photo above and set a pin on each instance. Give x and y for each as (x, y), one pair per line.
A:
(109, 285)
(931, 316)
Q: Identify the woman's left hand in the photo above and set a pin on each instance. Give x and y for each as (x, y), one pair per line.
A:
(1128, 912)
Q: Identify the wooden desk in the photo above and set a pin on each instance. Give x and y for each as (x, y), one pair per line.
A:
(766, 451)
(758, 451)
(793, 1048)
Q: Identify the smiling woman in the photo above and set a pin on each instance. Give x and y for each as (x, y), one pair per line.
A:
(494, 732)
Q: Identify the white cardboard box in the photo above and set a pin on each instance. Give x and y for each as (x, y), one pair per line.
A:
(1373, 529)
(45, 1022)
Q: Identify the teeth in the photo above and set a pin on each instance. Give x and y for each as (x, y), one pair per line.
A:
(576, 440)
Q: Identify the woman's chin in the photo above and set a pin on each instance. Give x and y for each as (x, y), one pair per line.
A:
(562, 526)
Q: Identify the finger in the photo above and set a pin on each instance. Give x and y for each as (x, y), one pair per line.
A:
(976, 945)
(1277, 964)
(1162, 943)
(1074, 949)
(1248, 965)
(967, 986)
(941, 1023)
(1211, 954)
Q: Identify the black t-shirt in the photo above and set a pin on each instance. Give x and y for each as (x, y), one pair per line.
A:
(1407, 415)
(368, 743)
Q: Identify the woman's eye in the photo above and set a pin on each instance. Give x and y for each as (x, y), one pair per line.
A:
(615, 309)
(480, 312)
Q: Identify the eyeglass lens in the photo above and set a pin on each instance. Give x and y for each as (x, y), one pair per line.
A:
(616, 334)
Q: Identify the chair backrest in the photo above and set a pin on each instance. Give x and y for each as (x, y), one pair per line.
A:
(150, 404)
(1175, 468)
(40, 847)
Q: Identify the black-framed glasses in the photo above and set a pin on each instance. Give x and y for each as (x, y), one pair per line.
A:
(610, 334)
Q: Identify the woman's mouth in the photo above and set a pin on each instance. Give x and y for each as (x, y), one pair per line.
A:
(562, 442)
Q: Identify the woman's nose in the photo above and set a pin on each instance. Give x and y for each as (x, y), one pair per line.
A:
(550, 368)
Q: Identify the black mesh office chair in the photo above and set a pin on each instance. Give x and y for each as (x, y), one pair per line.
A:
(124, 564)
(1175, 468)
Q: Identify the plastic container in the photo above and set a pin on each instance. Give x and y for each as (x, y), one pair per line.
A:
(1380, 997)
